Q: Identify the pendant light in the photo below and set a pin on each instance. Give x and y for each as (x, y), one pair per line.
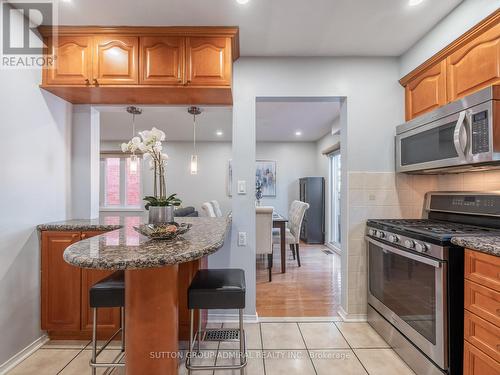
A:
(134, 160)
(194, 157)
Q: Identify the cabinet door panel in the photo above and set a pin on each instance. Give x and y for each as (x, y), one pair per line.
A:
(478, 363)
(162, 60)
(116, 60)
(208, 61)
(475, 65)
(61, 283)
(482, 301)
(483, 269)
(426, 92)
(72, 64)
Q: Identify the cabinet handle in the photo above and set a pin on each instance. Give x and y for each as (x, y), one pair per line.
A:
(95, 82)
(84, 235)
(188, 81)
(75, 235)
(87, 81)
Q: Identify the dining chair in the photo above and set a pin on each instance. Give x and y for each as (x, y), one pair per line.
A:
(217, 210)
(264, 234)
(208, 209)
(292, 233)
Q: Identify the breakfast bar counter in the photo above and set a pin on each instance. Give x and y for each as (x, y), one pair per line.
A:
(151, 278)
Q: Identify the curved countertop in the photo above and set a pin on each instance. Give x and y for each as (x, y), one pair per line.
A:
(485, 244)
(124, 248)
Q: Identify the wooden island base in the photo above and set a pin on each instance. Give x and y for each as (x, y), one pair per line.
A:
(151, 321)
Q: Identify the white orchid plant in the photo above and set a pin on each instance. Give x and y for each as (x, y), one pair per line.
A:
(150, 144)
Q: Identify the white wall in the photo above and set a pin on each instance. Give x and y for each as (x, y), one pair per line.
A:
(293, 161)
(373, 108)
(461, 19)
(209, 184)
(34, 189)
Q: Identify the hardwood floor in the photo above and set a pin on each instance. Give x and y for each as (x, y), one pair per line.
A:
(312, 290)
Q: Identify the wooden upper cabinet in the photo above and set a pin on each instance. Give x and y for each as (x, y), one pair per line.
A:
(162, 60)
(60, 283)
(475, 65)
(115, 60)
(73, 60)
(427, 91)
(209, 61)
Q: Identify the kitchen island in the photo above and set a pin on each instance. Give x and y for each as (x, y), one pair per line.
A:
(151, 277)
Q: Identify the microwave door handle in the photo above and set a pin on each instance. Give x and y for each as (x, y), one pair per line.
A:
(457, 136)
(405, 254)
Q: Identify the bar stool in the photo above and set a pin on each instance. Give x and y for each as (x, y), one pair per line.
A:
(217, 289)
(109, 292)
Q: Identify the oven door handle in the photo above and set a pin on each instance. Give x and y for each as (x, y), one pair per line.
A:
(406, 254)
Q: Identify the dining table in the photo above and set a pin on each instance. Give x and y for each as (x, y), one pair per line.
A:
(279, 221)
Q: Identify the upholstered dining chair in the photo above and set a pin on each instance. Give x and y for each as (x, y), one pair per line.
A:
(208, 209)
(217, 210)
(264, 235)
(292, 233)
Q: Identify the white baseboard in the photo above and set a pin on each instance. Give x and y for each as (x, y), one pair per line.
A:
(300, 319)
(351, 317)
(231, 318)
(333, 248)
(23, 354)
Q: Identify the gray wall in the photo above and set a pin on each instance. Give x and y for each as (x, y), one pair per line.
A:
(293, 161)
(34, 189)
(462, 18)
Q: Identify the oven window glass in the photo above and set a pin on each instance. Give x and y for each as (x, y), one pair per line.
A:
(405, 286)
(430, 145)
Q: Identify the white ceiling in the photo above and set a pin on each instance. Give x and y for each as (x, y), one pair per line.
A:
(278, 119)
(279, 27)
(116, 123)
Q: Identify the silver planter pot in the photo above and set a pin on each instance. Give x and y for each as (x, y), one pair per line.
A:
(161, 214)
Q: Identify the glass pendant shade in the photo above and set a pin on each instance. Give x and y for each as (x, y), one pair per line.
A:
(134, 161)
(194, 164)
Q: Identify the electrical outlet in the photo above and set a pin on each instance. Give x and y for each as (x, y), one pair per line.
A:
(242, 238)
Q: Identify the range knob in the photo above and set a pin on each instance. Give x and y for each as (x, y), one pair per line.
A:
(410, 244)
(393, 238)
(380, 234)
(372, 232)
(421, 247)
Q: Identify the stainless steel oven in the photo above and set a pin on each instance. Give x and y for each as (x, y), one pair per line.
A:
(460, 136)
(409, 290)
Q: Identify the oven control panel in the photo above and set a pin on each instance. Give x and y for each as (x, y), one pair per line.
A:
(480, 133)
(478, 204)
(406, 242)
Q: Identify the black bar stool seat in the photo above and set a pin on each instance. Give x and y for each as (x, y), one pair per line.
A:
(217, 289)
(108, 292)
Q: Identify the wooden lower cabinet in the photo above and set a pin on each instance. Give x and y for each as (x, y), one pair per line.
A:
(481, 314)
(65, 310)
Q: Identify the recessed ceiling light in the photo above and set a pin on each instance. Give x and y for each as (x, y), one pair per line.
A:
(298, 133)
(413, 3)
(219, 133)
(242, 1)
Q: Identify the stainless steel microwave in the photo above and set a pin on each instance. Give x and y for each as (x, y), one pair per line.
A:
(461, 136)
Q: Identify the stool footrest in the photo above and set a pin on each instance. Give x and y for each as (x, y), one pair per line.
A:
(222, 334)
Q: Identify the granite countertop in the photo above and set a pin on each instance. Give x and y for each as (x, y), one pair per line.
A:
(101, 224)
(124, 248)
(486, 244)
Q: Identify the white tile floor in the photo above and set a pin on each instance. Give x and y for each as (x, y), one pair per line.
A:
(305, 348)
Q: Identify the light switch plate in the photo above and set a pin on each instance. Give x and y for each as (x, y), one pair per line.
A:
(242, 238)
(242, 187)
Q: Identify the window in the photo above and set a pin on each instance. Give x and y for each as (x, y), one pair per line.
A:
(120, 187)
(335, 183)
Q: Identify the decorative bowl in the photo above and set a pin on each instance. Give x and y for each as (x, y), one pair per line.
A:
(166, 231)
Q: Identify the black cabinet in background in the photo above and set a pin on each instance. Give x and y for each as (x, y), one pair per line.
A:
(312, 191)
